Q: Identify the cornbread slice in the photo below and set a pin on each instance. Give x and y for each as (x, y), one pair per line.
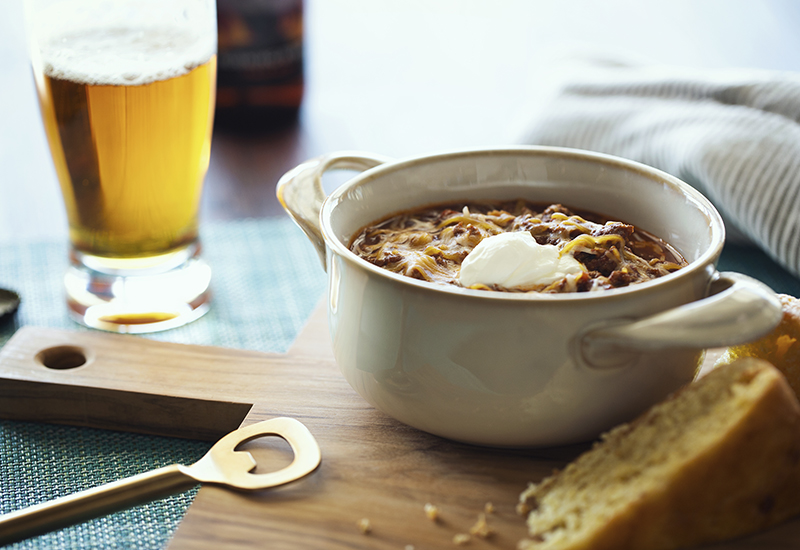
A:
(718, 459)
(781, 347)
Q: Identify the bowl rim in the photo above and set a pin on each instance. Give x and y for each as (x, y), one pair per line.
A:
(708, 257)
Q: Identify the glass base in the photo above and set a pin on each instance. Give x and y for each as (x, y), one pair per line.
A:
(139, 295)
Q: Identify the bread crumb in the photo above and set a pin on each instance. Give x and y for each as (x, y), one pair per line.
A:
(524, 507)
(364, 526)
(432, 511)
(461, 539)
(782, 345)
(481, 528)
(409, 547)
(488, 508)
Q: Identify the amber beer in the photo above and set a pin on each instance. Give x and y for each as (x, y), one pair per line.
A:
(130, 142)
(127, 90)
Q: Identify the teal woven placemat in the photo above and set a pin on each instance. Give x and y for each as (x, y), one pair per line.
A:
(267, 280)
(40, 462)
(753, 262)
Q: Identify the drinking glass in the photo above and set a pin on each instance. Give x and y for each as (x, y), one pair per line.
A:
(126, 90)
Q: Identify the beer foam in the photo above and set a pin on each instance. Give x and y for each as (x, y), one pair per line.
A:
(103, 44)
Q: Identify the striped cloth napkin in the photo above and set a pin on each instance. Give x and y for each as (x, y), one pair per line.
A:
(733, 135)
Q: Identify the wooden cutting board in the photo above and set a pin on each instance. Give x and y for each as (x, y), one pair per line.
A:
(372, 466)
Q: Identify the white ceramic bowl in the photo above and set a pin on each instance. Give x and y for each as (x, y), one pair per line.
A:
(505, 369)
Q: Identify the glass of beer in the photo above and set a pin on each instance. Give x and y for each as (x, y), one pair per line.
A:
(126, 90)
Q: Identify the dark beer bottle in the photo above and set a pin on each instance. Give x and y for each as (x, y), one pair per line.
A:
(260, 63)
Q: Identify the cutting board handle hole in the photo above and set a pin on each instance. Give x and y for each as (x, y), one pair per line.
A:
(62, 357)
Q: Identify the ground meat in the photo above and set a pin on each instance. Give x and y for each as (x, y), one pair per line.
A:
(555, 208)
(624, 230)
(602, 261)
(619, 278)
(386, 259)
(585, 282)
(430, 243)
(373, 239)
(445, 214)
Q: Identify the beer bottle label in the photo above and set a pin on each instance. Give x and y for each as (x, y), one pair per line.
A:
(260, 59)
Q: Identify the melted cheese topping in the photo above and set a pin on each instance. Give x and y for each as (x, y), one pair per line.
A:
(559, 252)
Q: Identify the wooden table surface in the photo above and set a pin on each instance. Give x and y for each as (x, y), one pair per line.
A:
(403, 77)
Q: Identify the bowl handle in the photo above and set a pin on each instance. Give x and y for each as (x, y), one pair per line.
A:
(739, 309)
(301, 194)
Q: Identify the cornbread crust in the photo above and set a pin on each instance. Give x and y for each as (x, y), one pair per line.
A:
(781, 347)
(717, 460)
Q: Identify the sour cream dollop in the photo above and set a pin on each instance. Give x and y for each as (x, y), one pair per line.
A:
(513, 260)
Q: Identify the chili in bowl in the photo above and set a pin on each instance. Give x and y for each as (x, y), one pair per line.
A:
(601, 302)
